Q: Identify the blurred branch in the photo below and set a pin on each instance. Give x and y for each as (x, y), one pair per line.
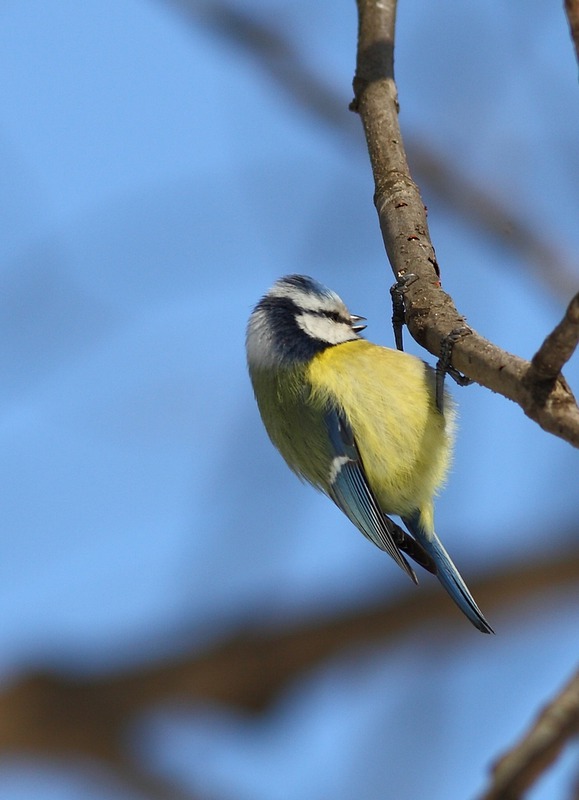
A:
(269, 46)
(54, 716)
(572, 9)
(108, 780)
(518, 769)
(431, 315)
(483, 210)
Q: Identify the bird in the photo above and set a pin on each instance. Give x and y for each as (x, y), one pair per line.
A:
(358, 421)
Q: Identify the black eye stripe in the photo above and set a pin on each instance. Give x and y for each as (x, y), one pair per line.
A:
(286, 304)
(333, 315)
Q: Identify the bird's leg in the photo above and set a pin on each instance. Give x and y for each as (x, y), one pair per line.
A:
(444, 366)
(398, 314)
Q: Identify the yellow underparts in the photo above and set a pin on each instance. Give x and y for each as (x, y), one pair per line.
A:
(388, 398)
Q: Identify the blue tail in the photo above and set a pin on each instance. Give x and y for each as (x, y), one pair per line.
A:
(447, 573)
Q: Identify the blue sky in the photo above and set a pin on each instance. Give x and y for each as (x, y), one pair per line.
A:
(156, 182)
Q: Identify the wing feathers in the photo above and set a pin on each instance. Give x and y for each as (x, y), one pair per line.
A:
(350, 491)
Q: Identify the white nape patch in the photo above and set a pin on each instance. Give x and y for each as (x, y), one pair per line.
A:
(308, 301)
(326, 329)
(259, 342)
(337, 464)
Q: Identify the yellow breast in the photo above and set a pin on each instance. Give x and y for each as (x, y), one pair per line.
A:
(389, 399)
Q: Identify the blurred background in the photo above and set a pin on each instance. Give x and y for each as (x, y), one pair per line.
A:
(179, 617)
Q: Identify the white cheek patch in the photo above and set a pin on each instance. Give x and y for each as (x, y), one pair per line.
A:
(325, 329)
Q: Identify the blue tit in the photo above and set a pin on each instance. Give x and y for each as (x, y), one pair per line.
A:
(357, 421)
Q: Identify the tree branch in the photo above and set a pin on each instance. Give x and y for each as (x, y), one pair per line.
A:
(269, 46)
(558, 347)
(430, 313)
(518, 769)
(572, 9)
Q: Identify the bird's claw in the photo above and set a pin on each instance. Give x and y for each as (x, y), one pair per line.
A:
(398, 312)
(444, 366)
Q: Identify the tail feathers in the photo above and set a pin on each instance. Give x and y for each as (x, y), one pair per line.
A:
(412, 548)
(448, 574)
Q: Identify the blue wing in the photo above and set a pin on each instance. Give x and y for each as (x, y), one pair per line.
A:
(350, 491)
(447, 573)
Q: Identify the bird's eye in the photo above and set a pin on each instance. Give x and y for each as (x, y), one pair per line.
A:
(335, 316)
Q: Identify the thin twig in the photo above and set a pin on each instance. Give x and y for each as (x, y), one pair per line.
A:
(558, 347)
(518, 769)
(430, 313)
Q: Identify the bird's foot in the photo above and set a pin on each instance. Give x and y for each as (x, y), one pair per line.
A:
(398, 313)
(444, 366)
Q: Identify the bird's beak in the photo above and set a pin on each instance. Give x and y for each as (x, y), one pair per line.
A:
(355, 322)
